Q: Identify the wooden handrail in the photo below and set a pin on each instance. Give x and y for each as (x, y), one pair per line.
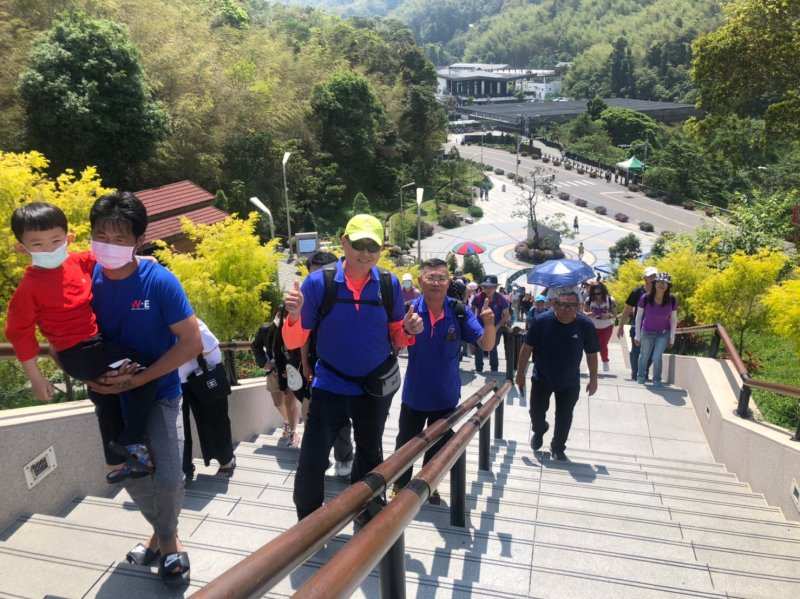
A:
(353, 563)
(267, 566)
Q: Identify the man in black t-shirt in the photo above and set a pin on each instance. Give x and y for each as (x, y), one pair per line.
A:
(629, 313)
(558, 339)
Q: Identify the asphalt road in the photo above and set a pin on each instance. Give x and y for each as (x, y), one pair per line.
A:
(597, 192)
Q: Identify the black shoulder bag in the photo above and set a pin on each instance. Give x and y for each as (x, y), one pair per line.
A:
(209, 383)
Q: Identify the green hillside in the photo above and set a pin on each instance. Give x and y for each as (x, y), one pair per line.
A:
(227, 88)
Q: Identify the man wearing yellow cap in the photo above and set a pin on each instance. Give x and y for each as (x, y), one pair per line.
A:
(358, 313)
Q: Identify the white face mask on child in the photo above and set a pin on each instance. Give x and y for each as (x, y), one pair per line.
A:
(112, 256)
(50, 260)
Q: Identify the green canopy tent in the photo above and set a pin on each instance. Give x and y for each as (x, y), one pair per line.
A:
(632, 165)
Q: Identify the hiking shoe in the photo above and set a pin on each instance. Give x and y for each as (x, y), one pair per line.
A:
(435, 498)
(538, 438)
(343, 469)
(559, 455)
(606, 367)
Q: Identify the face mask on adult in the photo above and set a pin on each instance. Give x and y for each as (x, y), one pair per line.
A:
(406, 284)
(112, 256)
(50, 260)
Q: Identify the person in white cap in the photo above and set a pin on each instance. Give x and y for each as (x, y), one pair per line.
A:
(629, 313)
(409, 291)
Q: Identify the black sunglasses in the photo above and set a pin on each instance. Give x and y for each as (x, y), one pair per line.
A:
(365, 245)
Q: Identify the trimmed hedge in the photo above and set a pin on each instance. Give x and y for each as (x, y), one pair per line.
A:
(646, 227)
(563, 195)
(601, 210)
(475, 211)
(581, 202)
(621, 217)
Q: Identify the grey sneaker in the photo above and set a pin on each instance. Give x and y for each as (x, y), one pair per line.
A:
(343, 469)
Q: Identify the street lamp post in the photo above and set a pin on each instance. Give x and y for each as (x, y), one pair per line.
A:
(420, 193)
(260, 205)
(482, 134)
(286, 199)
(402, 216)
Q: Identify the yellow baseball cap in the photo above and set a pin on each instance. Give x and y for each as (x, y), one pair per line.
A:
(364, 226)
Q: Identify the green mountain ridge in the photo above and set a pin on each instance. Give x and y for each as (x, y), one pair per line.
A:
(541, 33)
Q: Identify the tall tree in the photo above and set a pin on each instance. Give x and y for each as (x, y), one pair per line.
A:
(750, 66)
(87, 101)
(620, 66)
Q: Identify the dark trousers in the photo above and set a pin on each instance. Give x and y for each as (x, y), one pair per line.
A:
(213, 428)
(91, 359)
(494, 363)
(411, 423)
(109, 419)
(565, 404)
(343, 444)
(327, 414)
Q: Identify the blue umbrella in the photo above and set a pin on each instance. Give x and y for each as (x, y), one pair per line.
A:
(560, 273)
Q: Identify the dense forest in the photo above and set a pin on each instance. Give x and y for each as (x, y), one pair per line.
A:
(653, 37)
(216, 91)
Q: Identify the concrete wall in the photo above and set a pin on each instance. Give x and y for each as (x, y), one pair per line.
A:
(71, 429)
(760, 453)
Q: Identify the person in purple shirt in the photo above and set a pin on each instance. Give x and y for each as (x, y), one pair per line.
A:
(502, 315)
(656, 323)
(409, 291)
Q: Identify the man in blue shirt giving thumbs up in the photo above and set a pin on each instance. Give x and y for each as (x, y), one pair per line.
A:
(432, 386)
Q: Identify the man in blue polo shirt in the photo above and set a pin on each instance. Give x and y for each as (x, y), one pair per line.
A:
(355, 338)
(558, 339)
(432, 386)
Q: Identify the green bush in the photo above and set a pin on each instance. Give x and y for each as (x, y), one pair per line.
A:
(499, 171)
(646, 227)
(449, 219)
(475, 211)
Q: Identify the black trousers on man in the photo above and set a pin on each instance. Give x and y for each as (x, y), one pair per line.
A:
(566, 398)
(411, 423)
(213, 428)
(327, 414)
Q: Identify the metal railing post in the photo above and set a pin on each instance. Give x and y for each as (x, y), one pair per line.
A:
(458, 492)
(743, 409)
(230, 366)
(69, 387)
(713, 351)
(498, 420)
(484, 446)
(393, 571)
(510, 358)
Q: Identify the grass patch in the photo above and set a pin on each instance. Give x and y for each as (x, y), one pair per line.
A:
(775, 362)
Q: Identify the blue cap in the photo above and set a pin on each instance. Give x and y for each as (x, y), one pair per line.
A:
(540, 298)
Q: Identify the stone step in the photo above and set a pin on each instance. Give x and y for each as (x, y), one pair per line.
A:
(42, 574)
(565, 480)
(510, 460)
(672, 564)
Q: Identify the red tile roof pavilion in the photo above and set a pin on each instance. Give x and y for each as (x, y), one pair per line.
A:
(167, 204)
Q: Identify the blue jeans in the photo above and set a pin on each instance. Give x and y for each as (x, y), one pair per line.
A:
(652, 348)
(634, 357)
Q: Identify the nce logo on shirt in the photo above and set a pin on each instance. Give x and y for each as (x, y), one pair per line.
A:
(140, 304)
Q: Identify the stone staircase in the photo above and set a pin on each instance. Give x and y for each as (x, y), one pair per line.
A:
(641, 510)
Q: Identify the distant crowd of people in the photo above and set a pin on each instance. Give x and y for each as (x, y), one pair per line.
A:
(122, 323)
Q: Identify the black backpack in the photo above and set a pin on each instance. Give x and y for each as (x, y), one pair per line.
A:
(330, 297)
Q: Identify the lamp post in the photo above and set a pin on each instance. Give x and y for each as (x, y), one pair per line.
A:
(260, 205)
(286, 199)
(482, 134)
(420, 193)
(402, 218)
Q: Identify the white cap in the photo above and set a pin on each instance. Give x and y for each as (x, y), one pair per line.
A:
(472, 285)
(650, 271)
(408, 277)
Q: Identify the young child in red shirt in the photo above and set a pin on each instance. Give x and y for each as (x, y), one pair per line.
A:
(55, 294)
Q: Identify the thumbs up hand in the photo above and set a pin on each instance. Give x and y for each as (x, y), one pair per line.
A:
(293, 301)
(487, 314)
(412, 322)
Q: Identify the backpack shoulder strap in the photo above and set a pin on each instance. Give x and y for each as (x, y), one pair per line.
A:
(460, 312)
(329, 295)
(387, 292)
